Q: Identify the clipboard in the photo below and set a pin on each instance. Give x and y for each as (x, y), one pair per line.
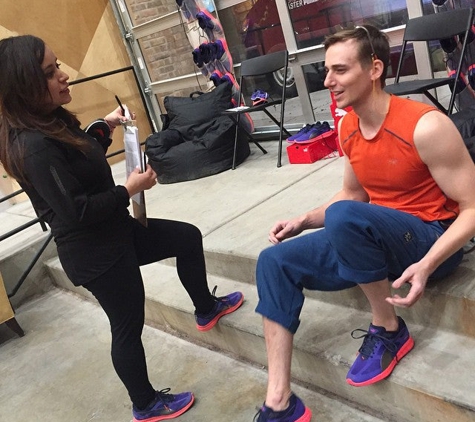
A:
(134, 157)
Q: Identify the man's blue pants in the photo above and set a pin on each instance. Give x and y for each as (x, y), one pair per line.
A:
(361, 243)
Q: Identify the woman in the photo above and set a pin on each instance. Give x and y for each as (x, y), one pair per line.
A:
(69, 182)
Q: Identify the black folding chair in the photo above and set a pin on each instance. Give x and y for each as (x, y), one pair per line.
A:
(442, 26)
(260, 66)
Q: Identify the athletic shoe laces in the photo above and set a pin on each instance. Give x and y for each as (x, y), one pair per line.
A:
(164, 396)
(370, 341)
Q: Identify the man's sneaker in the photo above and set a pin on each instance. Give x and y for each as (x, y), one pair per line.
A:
(296, 412)
(259, 97)
(223, 305)
(166, 406)
(380, 353)
(317, 131)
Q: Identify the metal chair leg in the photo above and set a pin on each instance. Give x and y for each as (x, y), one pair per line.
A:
(14, 326)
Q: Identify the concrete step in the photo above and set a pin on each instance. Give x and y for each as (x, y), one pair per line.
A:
(447, 304)
(232, 249)
(433, 383)
(61, 371)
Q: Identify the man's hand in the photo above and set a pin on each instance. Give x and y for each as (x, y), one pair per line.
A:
(284, 229)
(417, 276)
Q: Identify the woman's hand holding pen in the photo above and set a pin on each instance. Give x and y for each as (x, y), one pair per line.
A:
(114, 118)
(138, 181)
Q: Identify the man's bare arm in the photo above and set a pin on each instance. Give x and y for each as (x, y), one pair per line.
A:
(441, 148)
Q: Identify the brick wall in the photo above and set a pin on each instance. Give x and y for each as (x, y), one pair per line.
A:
(167, 54)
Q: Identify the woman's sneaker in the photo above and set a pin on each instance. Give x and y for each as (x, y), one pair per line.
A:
(296, 412)
(223, 305)
(166, 406)
(380, 352)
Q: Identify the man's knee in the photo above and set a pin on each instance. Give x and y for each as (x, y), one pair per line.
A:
(340, 213)
(345, 222)
(267, 261)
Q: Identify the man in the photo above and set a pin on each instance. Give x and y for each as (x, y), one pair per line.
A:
(406, 208)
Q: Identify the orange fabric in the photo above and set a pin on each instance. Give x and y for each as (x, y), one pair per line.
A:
(389, 167)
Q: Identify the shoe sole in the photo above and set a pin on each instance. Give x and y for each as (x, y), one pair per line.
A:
(171, 416)
(259, 102)
(403, 351)
(306, 417)
(213, 322)
(290, 141)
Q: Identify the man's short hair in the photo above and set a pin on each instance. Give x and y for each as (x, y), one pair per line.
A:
(372, 44)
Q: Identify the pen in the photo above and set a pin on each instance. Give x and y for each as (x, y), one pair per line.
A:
(120, 105)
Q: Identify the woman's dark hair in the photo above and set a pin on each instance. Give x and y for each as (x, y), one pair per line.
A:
(372, 42)
(23, 94)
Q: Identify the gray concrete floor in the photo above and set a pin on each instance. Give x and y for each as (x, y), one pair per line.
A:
(61, 370)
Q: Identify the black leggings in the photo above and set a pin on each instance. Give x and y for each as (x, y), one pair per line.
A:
(120, 292)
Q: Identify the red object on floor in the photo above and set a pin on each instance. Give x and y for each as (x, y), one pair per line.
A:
(314, 151)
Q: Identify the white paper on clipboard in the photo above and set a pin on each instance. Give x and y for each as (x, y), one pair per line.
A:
(134, 158)
(133, 153)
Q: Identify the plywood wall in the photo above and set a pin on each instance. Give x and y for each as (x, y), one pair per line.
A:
(85, 37)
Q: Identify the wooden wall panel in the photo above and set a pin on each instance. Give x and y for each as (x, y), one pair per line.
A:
(86, 39)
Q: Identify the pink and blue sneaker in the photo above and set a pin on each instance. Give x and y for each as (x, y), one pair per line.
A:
(296, 412)
(165, 406)
(380, 352)
(303, 131)
(223, 305)
(314, 133)
(259, 97)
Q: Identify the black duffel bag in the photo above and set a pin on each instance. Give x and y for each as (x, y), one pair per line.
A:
(197, 141)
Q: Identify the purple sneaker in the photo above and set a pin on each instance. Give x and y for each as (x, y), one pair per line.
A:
(199, 61)
(304, 130)
(380, 352)
(216, 77)
(220, 54)
(210, 25)
(316, 132)
(296, 412)
(224, 305)
(259, 97)
(166, 406)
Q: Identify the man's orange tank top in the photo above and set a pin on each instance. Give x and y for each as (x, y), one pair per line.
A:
(389, 167)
